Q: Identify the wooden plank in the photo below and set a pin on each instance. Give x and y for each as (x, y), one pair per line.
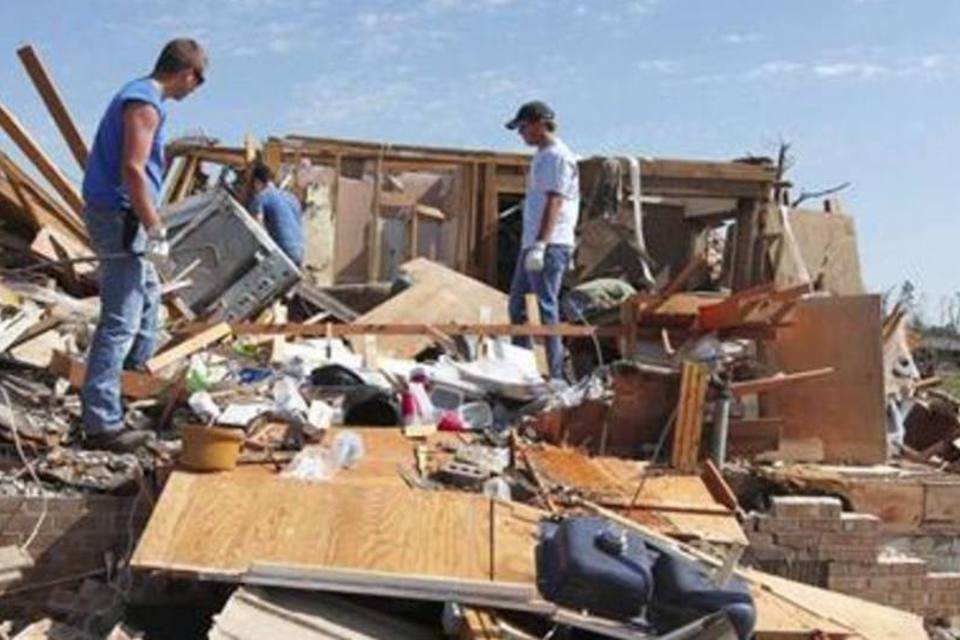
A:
(54, 103)
(191, 345)
(489, 223)
(415, 329)
(718, 487)
(760, 385)
(40, 160)
(748, 222)
(689, 426)
(438, 296)
(44, 209)
(533, 319)
(846, 411)
(133, 384)
(941, 501)
(376, 224)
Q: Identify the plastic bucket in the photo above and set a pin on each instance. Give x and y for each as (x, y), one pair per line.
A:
(210, 448)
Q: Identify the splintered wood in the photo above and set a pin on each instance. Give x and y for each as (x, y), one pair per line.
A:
(689, 427)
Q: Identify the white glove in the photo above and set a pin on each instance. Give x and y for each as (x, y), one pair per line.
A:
(534, 258)
(157, 250)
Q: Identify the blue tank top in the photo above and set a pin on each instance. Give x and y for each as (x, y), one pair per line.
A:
(103, 186)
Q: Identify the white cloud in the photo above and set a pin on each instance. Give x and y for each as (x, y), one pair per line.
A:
(740, 38)
(665, 67)
(842, 69)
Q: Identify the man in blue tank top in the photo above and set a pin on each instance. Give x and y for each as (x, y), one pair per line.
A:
(279, 211)
(120, 190)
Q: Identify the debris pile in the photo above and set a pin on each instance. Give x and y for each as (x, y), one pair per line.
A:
(358, 446)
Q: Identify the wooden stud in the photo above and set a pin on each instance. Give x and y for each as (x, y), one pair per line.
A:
(41, 160)
(686, 436)
(533, 320)
(54, 103)
(489, 223)
(190, 345)
(374, 264)
(415, 329)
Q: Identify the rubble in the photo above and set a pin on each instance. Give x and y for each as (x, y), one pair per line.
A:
(385, 446)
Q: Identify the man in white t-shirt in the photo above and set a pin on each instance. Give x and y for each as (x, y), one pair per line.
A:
(550, 209)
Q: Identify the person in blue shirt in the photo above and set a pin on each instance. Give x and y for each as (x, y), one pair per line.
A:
(121, 187)
(279, 211)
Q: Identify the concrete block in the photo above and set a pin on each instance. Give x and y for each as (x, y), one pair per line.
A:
(859, 522)
(804, 507)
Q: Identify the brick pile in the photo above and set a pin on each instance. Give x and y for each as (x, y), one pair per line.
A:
(77, 536)
(811, 539)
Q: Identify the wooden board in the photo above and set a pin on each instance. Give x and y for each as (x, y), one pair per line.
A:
(689, 426)
(190, 345)
(438, 295)
(224, 524)
(54, 103)
(941, 502)
(688, 510)
(41, 161)
(846, 410)
(828, 245)
(787, 606)
(133, 384)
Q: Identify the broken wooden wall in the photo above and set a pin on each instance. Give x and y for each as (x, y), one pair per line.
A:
(845, 411)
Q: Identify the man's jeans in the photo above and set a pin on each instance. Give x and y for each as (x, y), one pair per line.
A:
(129, 301)
(546, 284)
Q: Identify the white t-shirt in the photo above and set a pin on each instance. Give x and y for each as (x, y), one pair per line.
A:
(553, 169)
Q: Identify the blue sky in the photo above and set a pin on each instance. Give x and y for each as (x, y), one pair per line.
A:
(865, 90)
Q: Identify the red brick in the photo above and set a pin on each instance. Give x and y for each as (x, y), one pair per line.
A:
(778, 525)
(859, 522)
(796, 540)
(845, 554)
(898, 565)
(803, 507)
(890, 583)
(943, 581)
(821, 525)
(844, 539)
(848, 584)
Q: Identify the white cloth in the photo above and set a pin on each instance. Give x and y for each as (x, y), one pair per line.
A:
(552, 170)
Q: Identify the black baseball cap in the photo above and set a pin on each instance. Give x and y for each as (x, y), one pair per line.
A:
(533, 111)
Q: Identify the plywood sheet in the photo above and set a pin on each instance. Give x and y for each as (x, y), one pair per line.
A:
(787, 606)
(438, 295)
(828, 244)
(351, 218)
(614, 481)
(223, 524)
(846, 410)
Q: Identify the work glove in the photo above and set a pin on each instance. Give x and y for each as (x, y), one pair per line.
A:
(157, 250)
(534, 258)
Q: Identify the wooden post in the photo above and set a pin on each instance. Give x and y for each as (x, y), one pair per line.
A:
(533, 319)
(689, 427)
(54, 103)
(373, 265)
(748, 221)
(489, 224)
(41, 161)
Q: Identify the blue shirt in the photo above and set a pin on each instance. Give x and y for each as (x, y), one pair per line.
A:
(281, 216)
(103, 186)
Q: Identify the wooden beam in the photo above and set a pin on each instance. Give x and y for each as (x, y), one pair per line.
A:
(689, 427)
(41, 161)
(50, 211)
(133, 384)
(54, 103)
(748, 227)
(489, 224)
(414, 329)
(190, 345)
(374, 263)
(760, 385)
(533, 320)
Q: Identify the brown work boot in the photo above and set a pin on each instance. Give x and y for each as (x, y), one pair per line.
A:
(125, 441)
